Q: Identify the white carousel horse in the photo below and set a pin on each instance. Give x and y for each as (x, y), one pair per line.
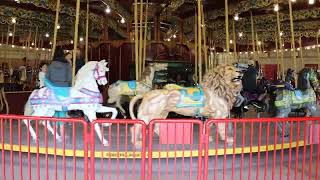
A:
(84, 96)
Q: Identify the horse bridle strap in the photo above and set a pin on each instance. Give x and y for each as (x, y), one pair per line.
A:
(146, 84)
(96, 70)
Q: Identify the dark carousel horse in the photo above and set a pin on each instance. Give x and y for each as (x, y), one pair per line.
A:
(256, 100)
(304, 97)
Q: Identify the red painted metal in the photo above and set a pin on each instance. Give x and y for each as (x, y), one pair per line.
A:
(170, 156)
(34, 163)
(177, 138)
(116, 142)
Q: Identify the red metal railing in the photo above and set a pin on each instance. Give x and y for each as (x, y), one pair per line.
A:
(121, 157)
(173, 149)
(45, 157)
(178, 142)
(259, 146)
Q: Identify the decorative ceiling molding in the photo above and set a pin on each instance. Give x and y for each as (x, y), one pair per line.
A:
(95, 19)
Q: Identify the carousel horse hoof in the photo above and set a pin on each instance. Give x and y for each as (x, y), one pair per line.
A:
(229, 141)
(105, 142)
(59, 139)
(137, 144)
(210, 138)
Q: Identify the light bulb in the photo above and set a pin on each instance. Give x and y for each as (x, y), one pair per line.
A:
(281, 33)
(231, 41)
(236, 17)
(81, 39)
(276, 7)
(122, 20)
(13, 20)
(50, 43)
(174, 36)
(71, 41)
(10, 34)
(259, 43)
(58, 26)
(47, 35)
(108, 10)
(240, 34)
(311, 2)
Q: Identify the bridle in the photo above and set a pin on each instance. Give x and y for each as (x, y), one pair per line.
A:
(96, 73)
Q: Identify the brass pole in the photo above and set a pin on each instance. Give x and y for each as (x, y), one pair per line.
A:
(196, 47)
(252, 35)
(7, 43)
(140, 39)
(55, 28)
(205, 48)
(280, 45)
(136, 37)
(35, 38)
(277, 53)
(14, 32)
(318, 48)
(226, 13)
(75, 41)
(234, 41)
(87, 33)
(293, 52)
(301, 53)
(200, 41)
(145, 38)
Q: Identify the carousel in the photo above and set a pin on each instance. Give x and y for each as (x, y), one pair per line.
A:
(186, 86)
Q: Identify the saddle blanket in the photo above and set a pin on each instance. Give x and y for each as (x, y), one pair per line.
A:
(128, 87)
(191, 97)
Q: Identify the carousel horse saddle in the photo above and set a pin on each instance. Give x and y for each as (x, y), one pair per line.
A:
(128, 87)
(59, 92)
(298, 94)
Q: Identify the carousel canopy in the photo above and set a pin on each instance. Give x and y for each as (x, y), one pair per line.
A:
(176, 18)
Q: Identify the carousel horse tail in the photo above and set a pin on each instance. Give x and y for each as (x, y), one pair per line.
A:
(132, 103)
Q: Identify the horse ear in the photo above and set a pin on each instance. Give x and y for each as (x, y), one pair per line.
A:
(103, 61)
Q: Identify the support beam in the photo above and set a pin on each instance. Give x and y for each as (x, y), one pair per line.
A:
(226, 14)
(293, 51)
(87, 33)
(75, 41)
(252, 35)
(136, 38)
(56, 22)
(200, 41)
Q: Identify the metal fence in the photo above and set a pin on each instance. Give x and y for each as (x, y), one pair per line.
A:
(269, 148)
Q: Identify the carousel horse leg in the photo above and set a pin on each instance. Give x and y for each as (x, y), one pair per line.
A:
(92, 116)
(104, 109)
(122, 111)
(282, 114)
(31, 130)
(60, 114)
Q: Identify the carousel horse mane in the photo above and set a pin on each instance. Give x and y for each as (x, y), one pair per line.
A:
(82, 74)
(146, 73)
(303, 79)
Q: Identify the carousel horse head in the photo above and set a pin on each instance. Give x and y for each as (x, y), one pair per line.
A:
(308, 79)
(93, 69)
